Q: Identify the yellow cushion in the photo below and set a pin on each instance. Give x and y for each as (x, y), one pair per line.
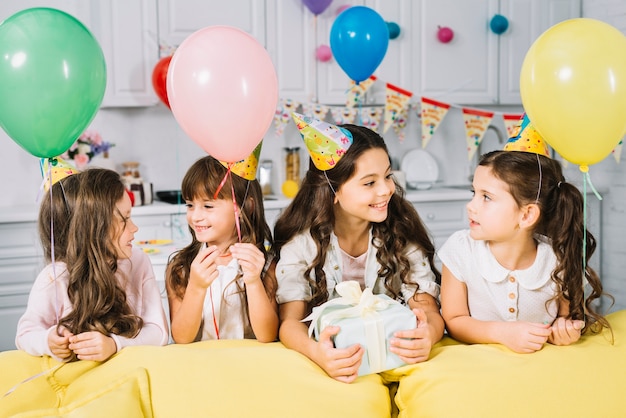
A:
(35, 382)
(245, 379)
(128, 396)
(586, 379)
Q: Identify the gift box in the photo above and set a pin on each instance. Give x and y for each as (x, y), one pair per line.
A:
(366, 319)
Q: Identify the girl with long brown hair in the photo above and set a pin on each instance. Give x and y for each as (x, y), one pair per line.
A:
(218, 286)
(350, 221)
(99, 295)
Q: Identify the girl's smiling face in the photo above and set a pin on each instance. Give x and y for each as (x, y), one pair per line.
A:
(125, 227)
(493, 213)
(212, 221)
(366, 194)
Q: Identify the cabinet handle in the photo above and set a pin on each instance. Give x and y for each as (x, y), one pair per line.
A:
(167, 224)
(430, 216)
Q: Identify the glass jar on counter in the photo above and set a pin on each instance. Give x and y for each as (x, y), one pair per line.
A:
(292, 164)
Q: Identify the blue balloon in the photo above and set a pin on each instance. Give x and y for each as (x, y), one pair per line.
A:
(358, 39)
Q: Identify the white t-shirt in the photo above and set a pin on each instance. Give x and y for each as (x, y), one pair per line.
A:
(495, 293)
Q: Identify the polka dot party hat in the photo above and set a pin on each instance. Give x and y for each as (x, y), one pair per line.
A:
(526, 138)
(54, 170)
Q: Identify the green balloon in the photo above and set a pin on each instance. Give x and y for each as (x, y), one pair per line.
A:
(52, 80)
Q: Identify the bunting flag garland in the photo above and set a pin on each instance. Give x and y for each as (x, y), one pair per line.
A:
(343, 115)
(511, 122)
(400, 122)
(396, 100)
(316, 111)
(357, 90)
(283, 114)
(370, 117)
(476, 123)
(432, 113)
(617, 151)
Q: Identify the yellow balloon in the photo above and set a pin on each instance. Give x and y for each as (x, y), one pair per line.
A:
(573, 88)
(290, 188)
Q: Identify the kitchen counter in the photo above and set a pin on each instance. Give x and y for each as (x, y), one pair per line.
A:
(28, 213)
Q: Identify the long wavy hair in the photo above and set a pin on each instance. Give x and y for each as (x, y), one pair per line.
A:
(312, 210)
(201, 181)
(55, 214)
(561, 219)
(94, 287)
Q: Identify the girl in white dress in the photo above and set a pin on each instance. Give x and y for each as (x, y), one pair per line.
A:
(517, 276)
(218, 286)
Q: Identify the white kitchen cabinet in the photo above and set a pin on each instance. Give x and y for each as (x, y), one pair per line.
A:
(294, 33)
(478, 66)
(180, 18)
(21, 259)
(127, 33)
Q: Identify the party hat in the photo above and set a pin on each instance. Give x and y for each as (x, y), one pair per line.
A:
(526, 138)
(57, 168)
(326, 142)
(247, 167)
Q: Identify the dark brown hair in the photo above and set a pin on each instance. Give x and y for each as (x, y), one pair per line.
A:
(561, 219)
(312, 209)
(201, 181)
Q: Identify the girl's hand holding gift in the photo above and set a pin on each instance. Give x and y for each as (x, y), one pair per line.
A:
(413, 346)
(339, 363)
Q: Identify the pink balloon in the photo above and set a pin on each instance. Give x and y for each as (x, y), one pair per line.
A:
(223, 91)
(323, 53)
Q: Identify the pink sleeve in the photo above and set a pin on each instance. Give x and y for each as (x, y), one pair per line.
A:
(146, 298)
(46, 297)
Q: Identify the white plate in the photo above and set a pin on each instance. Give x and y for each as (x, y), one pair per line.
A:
(420, 168)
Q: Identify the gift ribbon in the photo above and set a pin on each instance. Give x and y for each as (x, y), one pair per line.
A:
(362, 304)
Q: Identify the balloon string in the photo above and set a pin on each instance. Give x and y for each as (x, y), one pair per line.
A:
(586, 180)
(52, 254)
(232, 189)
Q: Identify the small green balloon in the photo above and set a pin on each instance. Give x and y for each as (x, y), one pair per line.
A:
(52, 80)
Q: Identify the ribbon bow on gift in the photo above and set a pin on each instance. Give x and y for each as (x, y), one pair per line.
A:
(357, 303)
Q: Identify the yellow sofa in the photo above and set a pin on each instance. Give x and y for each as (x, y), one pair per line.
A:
(250, 379)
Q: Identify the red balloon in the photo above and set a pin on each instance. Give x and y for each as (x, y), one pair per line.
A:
(159, 78)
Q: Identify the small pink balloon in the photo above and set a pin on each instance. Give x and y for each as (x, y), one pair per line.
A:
(445, 34)
(342, 8)
(323, 53)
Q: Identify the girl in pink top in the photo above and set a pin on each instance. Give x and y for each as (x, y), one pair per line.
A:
(99, 295)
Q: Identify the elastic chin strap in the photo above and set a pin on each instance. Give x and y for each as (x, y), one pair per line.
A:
(328, 181)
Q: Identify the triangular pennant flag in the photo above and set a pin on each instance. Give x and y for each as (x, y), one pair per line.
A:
(283, 114)
(356, 91)
(370, 117)
(511, 122)
(617, 151)
(476, 124)
(400, 123)
(432, 113)
(396, 99)
(343, 115)
(315, 110)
